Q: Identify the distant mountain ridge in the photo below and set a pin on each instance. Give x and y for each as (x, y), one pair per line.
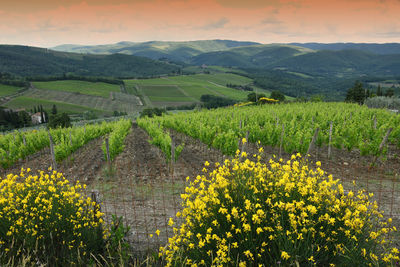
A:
(381, 49)
(178, 51)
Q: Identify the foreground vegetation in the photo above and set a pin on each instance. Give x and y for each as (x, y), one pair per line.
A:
(19, 145)
(45, 220)
(248, 213)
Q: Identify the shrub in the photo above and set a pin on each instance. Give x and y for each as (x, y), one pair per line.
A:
(383, 102)
(277, 95)
(48, 219)
(60, 120)
(249, 213)
(151, 112)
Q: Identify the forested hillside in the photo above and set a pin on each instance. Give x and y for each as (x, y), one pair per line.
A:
(33, 61)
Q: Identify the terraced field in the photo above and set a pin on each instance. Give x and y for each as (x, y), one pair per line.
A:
(117, 101)
(82, 87)
(180, 90)
(31, 102)
(76, 97)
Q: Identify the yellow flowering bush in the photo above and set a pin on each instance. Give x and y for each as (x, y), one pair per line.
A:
(48, 218)
(248, 213)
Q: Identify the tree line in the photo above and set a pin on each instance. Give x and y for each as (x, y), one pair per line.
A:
(358, 94)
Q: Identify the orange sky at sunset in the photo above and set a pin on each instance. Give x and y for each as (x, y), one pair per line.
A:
(52, 22)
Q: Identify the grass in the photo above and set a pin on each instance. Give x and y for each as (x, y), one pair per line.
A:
(211, 69)
(29, 103)
(83, 87)
(167, 93)
(162, 91)
(6, 90)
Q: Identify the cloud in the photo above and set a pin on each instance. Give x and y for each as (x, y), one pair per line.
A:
(389, 34)
(271, 21)
(248, 4)
(216, 25)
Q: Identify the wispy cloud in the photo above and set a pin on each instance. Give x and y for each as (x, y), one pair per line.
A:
(248, 4)
(216, 24)
(271, 21)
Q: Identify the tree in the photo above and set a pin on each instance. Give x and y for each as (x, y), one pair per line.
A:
(45, 116)
(379, 91)
(89, 115)
(24, 119)
(42, 116)
(317, 98)
(389, 92)
(60, 120)
(277, 95)
(368, 94)
(356, 94)
(54, 109)
(253, 97)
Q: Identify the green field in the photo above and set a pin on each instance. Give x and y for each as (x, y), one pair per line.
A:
(189, 88)
(29, 103)
(211, 69)
(82, 87)
(6, 90)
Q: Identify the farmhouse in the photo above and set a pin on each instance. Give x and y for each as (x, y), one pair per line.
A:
(36, 118)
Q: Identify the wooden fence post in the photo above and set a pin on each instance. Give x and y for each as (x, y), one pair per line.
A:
(330, 140)
(384, 140)
(312, 142)
(108, 154)
(172, 155)
(53, 155)
(281, 142)
(95, 196)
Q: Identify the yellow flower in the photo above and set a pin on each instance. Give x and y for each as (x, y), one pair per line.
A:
(285, 255)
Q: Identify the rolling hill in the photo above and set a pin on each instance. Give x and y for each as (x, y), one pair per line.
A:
(176, 51)
(34, 61)
(257, 56)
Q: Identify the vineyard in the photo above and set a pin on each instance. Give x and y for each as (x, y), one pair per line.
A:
(152, 158)
(19, 145)
(291, 126)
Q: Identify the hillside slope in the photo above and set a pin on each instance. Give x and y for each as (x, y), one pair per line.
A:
(382, 49)
(33, 61)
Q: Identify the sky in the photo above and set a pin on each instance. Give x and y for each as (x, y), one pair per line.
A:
(47, 23)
